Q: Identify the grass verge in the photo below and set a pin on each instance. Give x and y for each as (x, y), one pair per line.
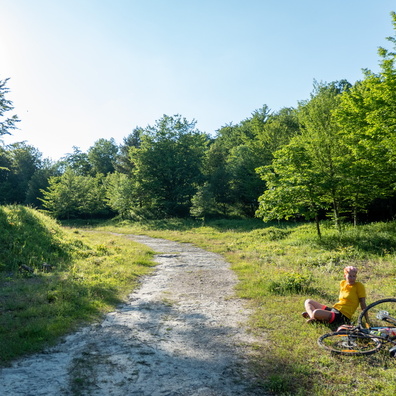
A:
(92, 273)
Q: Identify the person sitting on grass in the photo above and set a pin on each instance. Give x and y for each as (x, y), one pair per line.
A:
(352, 294)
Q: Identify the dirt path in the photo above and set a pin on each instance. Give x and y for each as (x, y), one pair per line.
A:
(180, 334)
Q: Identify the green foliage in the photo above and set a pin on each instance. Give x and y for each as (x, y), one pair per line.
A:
(120, 194)
(78, 162)
(239, 150)
(124, 164)
(5, 182)
(321, 141)
(72, 195)
(277, 131)
(294, 188)
(39, 182)
(103, 156)
(290, 283)
(168, 165)
(21, 162)
(335, 162)
(270, 233)
(245, 184)
(202, 203)
(369, 167)
(6, 123)
(218, 177)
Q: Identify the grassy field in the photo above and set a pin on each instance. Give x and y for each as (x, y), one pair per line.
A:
(279, 266)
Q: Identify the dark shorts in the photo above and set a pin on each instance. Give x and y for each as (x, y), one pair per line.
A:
(337, 317)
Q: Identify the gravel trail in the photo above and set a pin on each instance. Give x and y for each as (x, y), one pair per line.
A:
(181, 333)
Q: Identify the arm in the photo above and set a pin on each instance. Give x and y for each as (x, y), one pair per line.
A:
(362, 302)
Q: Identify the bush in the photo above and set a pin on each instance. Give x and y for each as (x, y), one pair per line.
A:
(271, 233)
(290, 283)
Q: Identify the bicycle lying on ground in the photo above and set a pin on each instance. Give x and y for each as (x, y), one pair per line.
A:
(376, 326)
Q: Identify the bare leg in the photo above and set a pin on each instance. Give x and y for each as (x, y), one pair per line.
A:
(311, 306)
(316, 312)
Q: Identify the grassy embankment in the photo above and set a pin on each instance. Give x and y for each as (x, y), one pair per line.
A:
(93, 272)
(279, 267)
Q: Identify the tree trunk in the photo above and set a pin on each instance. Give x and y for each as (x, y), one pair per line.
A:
(336, 214)
(318, 226)
(354, 216)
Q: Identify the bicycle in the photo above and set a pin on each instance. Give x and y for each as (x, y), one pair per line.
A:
(376, 326)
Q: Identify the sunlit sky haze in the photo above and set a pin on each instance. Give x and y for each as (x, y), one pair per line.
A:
(81, 70)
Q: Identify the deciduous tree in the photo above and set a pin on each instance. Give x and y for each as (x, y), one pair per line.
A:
(71, 195)
(294, 186)
(168, 165)
(103, 156)
(320, 136)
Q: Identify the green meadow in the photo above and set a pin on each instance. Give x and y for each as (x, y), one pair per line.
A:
(279, 265)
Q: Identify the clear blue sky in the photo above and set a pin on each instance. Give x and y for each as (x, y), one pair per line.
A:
(81, 70)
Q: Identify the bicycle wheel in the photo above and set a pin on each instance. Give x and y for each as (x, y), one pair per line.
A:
(346, 343)
(379, 314)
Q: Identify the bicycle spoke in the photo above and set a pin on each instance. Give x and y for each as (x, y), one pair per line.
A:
(345, 343)
(380, 313)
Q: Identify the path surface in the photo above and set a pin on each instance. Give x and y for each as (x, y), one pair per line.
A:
(180, 334)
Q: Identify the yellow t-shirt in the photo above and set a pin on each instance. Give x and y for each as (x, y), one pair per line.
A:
(348, 300)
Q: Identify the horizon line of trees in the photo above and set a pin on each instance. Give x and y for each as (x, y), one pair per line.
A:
(331, 156)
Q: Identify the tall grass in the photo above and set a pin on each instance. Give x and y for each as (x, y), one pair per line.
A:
(30, 238)
(281, 265)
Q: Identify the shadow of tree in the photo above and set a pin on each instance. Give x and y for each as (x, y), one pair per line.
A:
(371, 243)
(165, 350)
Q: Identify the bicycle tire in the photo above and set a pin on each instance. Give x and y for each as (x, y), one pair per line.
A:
(349, 343)
(375, 312)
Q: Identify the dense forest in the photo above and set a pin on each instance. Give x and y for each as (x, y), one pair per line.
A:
(333, 156)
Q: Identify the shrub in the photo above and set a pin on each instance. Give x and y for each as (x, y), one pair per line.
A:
(271, 233)
(290, 283)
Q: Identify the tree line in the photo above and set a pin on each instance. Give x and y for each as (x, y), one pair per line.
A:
(331, 156)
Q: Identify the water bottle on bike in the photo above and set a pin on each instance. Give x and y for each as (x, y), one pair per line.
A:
(385, 332)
